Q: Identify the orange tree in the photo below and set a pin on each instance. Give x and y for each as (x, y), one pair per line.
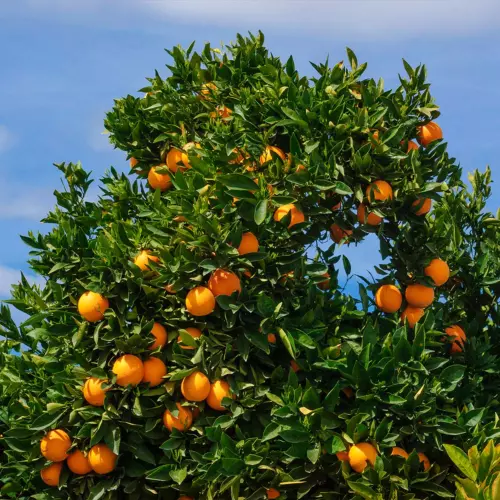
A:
(192, 341)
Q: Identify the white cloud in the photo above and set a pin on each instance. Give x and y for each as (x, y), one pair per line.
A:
(7, 138)
(22, 202)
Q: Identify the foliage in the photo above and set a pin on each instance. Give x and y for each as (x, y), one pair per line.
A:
(284, 428)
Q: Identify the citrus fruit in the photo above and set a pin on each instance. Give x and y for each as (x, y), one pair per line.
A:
(399, 452)
(324, 285)
(343, 456)
(294, 366)
(388, 298)
(360, 455)
(273, 493)
(50, 475)
(458, 334)
(422, 206)
(224, 282)
(249, 244)
(159, 181)
(222, 112)
(429, 133)
(102, 459)
(154, 371)
(419, 295)
(296, 216)
(413, 315)
(218, 391)
(78, 463)
(271, 338)
(338, 233)
(177, 159)
(425, 461)
(438, 270)
(301, 168)
(371, 219)
(93, 392)
(195, 387)
(379, 190)
(412, 145)
(129, 370)
(200, 301)
(267, 155)
(143, 258)
(184, 497)
(54, 445)
(160, 334)
(206, 90)
(194, 332)
(182, 422)
(133, 162)
(92, 305)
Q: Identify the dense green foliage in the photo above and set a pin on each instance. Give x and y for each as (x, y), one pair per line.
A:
(283, 429)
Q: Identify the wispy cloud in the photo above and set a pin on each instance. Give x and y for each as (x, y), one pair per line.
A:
(7, 139)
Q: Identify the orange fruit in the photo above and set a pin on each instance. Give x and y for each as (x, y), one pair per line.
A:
(142, 260)
(273, 493)
(102, 459)
(200, 301)
(300, 168)
(413, 315)
(419, 295)
(294, 366)
(129, 370)
(133, 162)
(170, 289)
(78, 463)
(221, 112)
(54, 445)
(179, 218)
(360, 455)
(50, 475)
(379, 190)
(182, 422)
(424, 460)
(458, 334)
(154, 371)
(92, 305)
(224, 282)
(429, 133)
(206, 90)
(187, 148)
(160, 334)
(343, 456)
(159, 181)
(184, 497)
(371, 219)
(93, 392)
(349, 393)
(399, 452)
(296, 215)
(338, 233)
(194, 332)
(174, 158)
(267, 155)
(388, 298)
(324, 285)
(412, 145)
(423, 206)
(271, 338)
(438, 270)
(336, 207)
(218, 391)
(249, 243)
(195, 387)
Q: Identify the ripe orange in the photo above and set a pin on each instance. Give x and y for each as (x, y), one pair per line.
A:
(54, 445)
(194, 332)
(349, 393)
(222, 112)
(343, 456)
(371, 219)
(218, 391)
(50, 475)
(160, 334)
(388, 298)
(438, 270)
(296, 215)
(170, 289)
(241, 156)
(184, 497)
(224, 282)
(458, 334)
(92, 305)
(267, 155)
(422, 205)
(182, 422)
(336, 207)
(78, 463)
(412, 145)
(413, 315)
(324, 285)
(174, 158)
(154, 371)
(195, 387)
(93, 392)
(129, 370)
(300, 168)
(360, 455)
(133, 162)
(399, 452)
(424, 460)
(273, 493)
(249, 244)
(429, 133)
(271, 338)
(200, 301)
(419, 295)
(142, 260)
(338, 233)
(102, 459)
(159, 181)
(294, 366)
(379, 190)
(206, 90)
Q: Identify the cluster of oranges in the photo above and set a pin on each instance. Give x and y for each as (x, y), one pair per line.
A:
(55, 446)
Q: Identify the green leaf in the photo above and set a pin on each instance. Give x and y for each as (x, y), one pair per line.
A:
(332, 398)
(179, 475)
(46, 420)
(260, 212)
(453, 374)
(363, 490)
(237, 181)
(310, 399)
(439, 490)
(460, 459)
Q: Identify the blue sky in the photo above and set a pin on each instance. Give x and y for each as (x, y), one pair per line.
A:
(63, 62)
